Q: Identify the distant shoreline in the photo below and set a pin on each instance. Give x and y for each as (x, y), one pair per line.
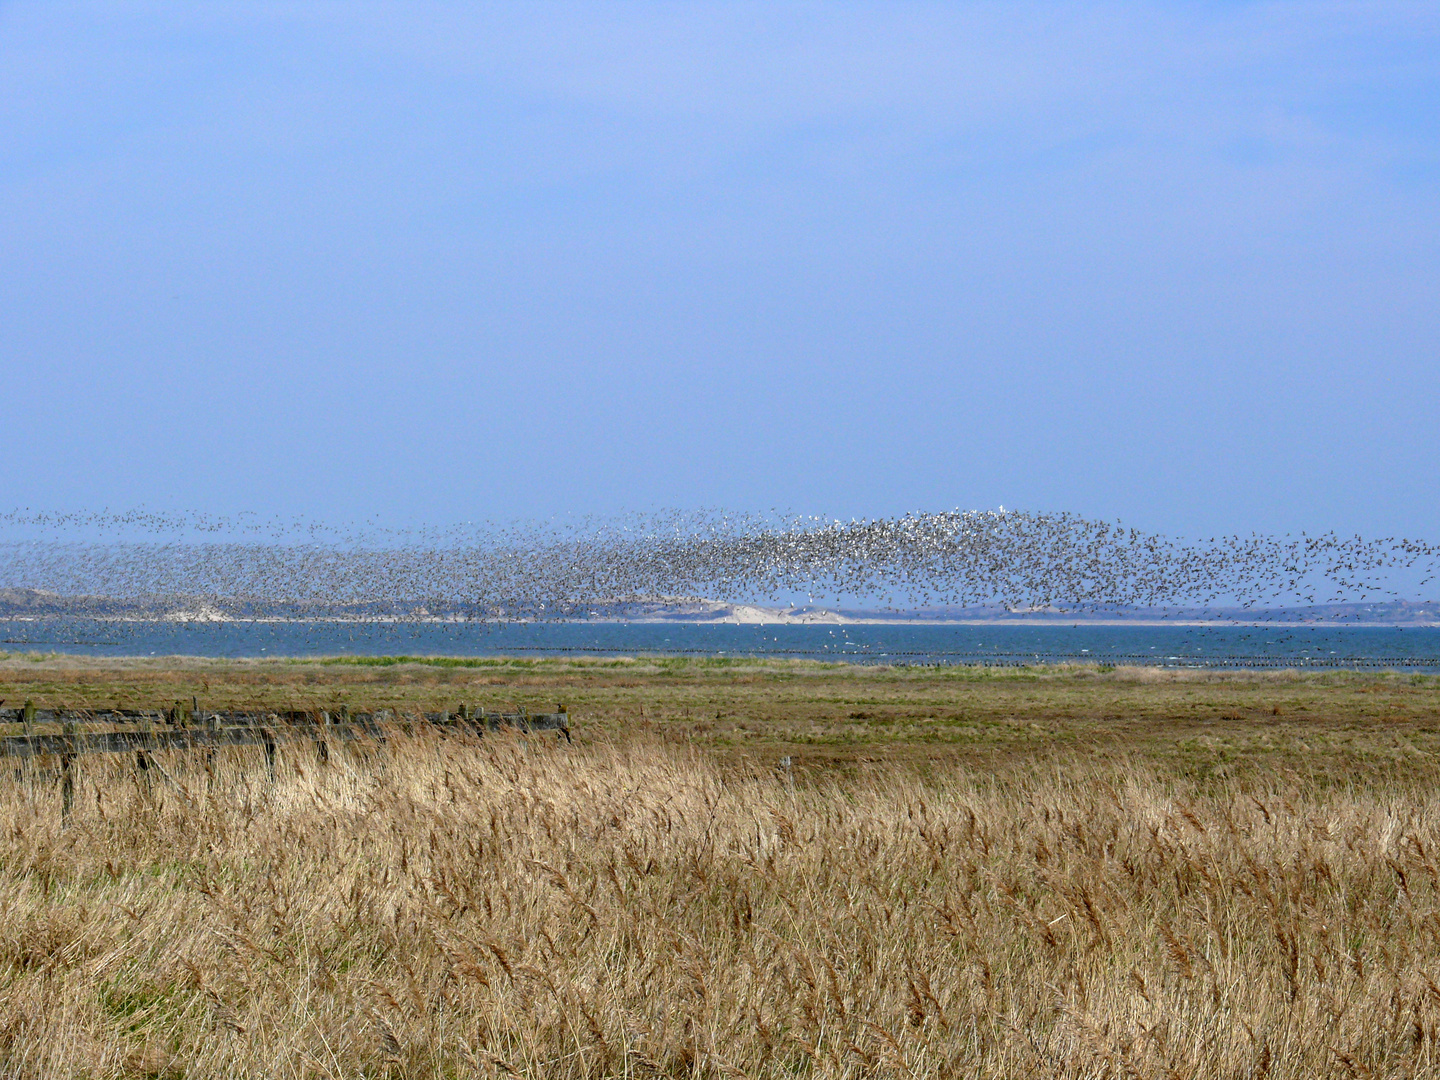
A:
(1040, 623)
(31, 605)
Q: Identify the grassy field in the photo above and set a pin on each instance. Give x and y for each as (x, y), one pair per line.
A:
(1337, 725)
(1058, 872)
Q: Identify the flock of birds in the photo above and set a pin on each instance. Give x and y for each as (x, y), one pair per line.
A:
(105, 564)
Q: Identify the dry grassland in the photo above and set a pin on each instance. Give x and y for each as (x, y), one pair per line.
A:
(1026, 897)
(1331, 727)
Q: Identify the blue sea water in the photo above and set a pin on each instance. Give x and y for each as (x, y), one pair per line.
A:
(1360, 647)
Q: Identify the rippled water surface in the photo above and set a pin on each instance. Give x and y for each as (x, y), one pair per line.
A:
(1413, 649)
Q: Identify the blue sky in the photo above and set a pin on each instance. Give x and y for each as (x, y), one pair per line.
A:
(1177, 264)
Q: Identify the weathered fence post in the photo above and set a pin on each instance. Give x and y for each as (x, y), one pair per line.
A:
(322, 745)
(268, 737)
(206, 729)
(27, 726)
(142, 755)
(67, 771)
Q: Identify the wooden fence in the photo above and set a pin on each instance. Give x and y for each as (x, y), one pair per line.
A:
(145, 732)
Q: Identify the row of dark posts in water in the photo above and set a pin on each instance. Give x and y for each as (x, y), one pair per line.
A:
(144, 732)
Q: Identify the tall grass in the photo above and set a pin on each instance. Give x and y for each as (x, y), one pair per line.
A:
(442, 908)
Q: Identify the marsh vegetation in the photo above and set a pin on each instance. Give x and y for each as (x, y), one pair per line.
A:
(659, 900)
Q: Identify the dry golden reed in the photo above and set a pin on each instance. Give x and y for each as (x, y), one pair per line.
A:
(451, 908)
